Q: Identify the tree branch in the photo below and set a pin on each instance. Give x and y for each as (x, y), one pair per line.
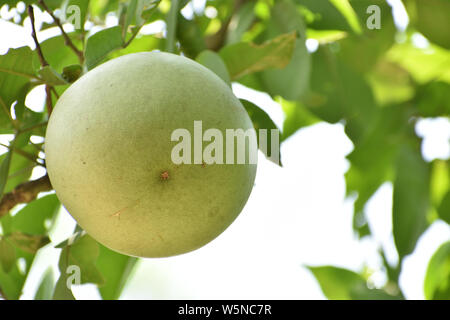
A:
(33, 34)
(67, 40)
(24, 193)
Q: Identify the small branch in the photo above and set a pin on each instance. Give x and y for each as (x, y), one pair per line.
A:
(24, 193)
(67, 40)
(33, 34)
(24, 154)
(31, 128)
(48, 99)
(132, 36)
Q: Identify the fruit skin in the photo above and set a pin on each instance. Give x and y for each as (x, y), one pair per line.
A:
(108, 155)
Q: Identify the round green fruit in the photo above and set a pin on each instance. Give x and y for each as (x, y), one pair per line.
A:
(109, 155)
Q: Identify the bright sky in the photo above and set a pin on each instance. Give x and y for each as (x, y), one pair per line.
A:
(296, 215)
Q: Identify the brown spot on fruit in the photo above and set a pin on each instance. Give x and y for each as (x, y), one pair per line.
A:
(164, 175)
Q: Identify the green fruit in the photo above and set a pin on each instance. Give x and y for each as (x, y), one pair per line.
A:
(108, 155)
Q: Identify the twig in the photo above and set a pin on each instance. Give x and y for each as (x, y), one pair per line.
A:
(30, 128)
(48, 99)
(67, 40)
(132, 36)
(24, 193)
(24, 154)
(33, 34)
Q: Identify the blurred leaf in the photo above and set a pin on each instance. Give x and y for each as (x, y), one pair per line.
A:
(116, 269)
(46, 286)
(32, 218)
(4, 171)
(444, 208)
(214, 62)
(100, 44)
(437, 278)
(431, 18)
(424, 65)
(325, 16)
(411, 199)
(132, 13)
(26, 242)
(7, 255)
(171, 25)
(99, 8)
(244, 58)
(433, 99)
(190, 37)
(341, 284)
(261, 120)
(297, 117)
(291, 81)
(139, 44)
(50, 76)
(391, 83)
(241, 22)
(62, 291)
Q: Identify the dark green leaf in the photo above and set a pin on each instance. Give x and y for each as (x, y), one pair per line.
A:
(116, 269)
(241, 22)
(101, 44)
(411, 199)
(214, 62)
(433, 99)
(72, 73)
(190, 36)
(261, 120)
(437, 278)
(444, 208)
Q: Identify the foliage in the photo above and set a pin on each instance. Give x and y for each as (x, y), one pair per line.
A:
(368, 79)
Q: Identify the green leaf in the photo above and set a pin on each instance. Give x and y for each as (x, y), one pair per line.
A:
(341, 284)
(261, 120)
(32, 218)
(297, 116)
(214, 62)
(116, 268)
(57, 53)
(26, 242)
(411, 199)
(437, 278)
(245, 58)
(433, 99)
(423, 65)
(4, 171)
(16, 70)
(323, 15)
(46, 286)
(101, 44)
(72, 73)
(83, 253)
(130, 16)
(241, 22)
(291, 81)
(7, 255)
(431, 18)
(190, 36)
(444, 208)
(62, 291)
(171, 23)
(51, 77)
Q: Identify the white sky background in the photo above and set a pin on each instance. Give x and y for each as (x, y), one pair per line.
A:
(296, 215)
